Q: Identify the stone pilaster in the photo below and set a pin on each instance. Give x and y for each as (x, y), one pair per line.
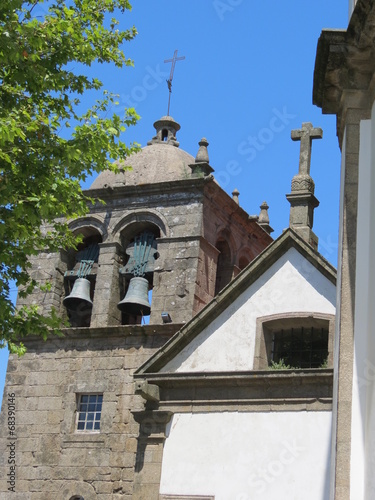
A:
(175, 278)
(344, 349)
(107, 289)
(344, 85)
(149, 453)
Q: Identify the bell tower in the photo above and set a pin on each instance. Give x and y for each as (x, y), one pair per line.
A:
(165, 242)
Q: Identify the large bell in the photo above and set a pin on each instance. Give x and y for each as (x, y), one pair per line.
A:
(79, 298)
(136, 301)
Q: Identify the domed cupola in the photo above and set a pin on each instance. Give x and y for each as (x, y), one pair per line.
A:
(160, 161)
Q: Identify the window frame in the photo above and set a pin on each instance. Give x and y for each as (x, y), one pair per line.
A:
(266, 326)
(79, 401)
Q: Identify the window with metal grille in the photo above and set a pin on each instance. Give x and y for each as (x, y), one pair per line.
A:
(89, 412)
(300, 347)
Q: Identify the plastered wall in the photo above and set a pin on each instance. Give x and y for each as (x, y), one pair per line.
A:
(246, 456)
(291, 284)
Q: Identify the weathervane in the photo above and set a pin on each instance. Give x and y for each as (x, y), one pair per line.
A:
(169, 81)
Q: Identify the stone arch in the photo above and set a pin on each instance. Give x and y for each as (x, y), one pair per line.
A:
(76, 490)
(244, 257)
(141, 218)
(82, 262)
(225, 262)
(266, 326)
(130, 229)
(225, 234)
(85, 225)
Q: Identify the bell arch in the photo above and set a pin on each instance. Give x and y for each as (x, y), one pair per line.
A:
(138, 241)
(141, 218)
(88, 225)
(80, 276)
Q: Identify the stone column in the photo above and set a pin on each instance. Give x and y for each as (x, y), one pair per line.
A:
(343, 85)
(175, 278)
(47, 268)
(107, 287)
(346, 293)
(149, 453)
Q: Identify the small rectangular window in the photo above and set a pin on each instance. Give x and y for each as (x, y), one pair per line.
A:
(89, 412)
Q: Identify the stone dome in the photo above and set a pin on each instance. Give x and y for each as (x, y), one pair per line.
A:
(160, 161)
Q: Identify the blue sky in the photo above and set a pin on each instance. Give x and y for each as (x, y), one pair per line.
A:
(247, 63)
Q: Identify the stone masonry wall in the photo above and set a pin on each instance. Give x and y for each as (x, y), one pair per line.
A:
(53, 461)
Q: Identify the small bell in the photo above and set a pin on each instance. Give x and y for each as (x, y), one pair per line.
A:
(136, 301)
(79, 298)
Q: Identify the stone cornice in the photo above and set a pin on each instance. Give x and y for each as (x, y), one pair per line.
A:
(108, 332)
(119, 192)
(345, 66)
(252, 387)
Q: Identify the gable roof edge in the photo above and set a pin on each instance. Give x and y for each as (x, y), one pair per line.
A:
(288, 239)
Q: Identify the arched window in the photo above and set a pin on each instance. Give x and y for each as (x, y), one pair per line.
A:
(82, 266)
(243, 262)
(139, 243)
(294, 340)
(224, 270)
(76, 497)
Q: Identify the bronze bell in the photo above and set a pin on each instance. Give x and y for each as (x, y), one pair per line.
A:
(79, 298)
(136, 301)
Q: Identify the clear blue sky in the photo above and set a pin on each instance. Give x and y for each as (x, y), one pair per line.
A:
(245, 63)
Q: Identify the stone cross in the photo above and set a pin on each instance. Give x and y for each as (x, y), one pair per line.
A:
(306, 134)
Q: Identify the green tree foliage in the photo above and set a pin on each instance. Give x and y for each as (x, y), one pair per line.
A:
(42, 76)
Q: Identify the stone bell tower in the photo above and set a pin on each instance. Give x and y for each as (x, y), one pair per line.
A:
(166, 229)
(165, 222)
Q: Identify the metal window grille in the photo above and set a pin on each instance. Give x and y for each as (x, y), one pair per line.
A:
(300, 347)
(89, 412)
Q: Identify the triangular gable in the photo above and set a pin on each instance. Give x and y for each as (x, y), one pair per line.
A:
(272, 263)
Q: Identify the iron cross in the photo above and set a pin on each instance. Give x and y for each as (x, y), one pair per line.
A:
(169, 81)
(306, 135)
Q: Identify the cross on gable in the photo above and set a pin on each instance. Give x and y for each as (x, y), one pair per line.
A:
(306, 134)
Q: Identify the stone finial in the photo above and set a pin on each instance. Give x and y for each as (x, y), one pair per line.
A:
(201, 165)
(235, 195)
(166, 129)
(302, 200)
(263, 219)
(202, 155)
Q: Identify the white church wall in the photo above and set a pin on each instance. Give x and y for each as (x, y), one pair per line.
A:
(363, 405)
(247, 456)
(290, 285)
